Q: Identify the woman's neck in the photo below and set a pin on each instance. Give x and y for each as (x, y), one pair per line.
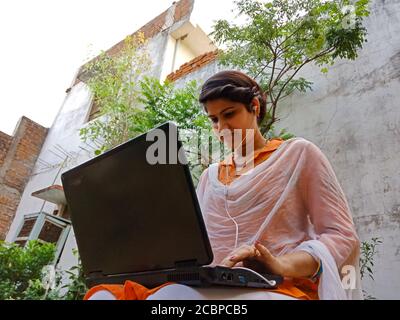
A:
(258, 142)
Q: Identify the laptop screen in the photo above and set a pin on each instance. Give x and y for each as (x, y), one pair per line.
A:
(131, 216)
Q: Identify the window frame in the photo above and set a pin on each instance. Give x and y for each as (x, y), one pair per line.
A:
(41, 218)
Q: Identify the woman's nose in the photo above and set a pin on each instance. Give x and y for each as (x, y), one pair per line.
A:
(222, 125)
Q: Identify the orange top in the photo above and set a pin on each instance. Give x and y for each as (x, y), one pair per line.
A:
(259, 156)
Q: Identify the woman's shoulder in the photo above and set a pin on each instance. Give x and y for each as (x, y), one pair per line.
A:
(309, 150)
(300, 145)
(296, 143)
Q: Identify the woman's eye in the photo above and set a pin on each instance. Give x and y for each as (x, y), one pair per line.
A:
(214, 120)
(229, 114)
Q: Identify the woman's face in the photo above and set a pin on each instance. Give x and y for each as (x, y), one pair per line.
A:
(226, 116)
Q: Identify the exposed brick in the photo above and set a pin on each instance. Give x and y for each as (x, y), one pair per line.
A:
(18, 155)
(193, 65)
(5, 141)
(183, 9)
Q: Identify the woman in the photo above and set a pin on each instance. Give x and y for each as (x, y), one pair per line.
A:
(274, 206)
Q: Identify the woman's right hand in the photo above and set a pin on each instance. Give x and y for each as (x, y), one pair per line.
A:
(256, 257)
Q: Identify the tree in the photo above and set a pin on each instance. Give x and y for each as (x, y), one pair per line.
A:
(164, 102)
(280, 37)
(21, 269)
(113, 82)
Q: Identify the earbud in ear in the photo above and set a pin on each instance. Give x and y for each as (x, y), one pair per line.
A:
(255, 111)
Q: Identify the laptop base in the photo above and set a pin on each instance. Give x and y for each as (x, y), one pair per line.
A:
(204, 276)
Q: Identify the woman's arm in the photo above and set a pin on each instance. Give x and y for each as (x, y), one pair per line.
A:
(299, 264)
(327, 206)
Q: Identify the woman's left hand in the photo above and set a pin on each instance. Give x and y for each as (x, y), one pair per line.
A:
(256, 257)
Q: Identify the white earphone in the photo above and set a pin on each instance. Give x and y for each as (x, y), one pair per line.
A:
(226, 190)
(226, 195)
(227, 211)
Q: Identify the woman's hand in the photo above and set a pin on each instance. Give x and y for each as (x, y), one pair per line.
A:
(299, 264)
(256, 257)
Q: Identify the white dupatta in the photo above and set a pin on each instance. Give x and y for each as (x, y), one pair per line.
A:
(291, 201)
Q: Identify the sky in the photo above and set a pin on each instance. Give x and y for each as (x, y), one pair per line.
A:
(45, 42)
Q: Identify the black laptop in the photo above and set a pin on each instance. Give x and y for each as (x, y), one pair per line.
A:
(140, 221)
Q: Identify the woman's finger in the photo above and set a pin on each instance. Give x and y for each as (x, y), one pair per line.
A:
(272, 264)
(243, 253)
(264, 252)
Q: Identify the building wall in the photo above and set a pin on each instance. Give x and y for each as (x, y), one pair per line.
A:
(176, 54)
(61, 150)
(168, 57)
(353, 115)
(18, 154)
(183, 55)
(198, 69)
(5, 141)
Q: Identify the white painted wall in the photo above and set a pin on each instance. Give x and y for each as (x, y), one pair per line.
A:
(185, 42)
(65, 133)
(184, 54)
(167, 67)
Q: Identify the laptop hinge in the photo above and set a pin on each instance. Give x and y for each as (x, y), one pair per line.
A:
(184, 264)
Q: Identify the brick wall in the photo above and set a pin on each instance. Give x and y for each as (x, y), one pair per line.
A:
(18, 155)
(5, 141)
(183, 9)
(193, 65)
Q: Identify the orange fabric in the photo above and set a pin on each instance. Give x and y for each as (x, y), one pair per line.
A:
(259, 156)
(303, 289)
(129, 291)
(297, 288)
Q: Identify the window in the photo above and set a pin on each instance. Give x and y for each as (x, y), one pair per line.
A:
(44, 227)
(94, 111)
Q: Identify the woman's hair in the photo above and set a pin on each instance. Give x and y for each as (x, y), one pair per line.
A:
(234, 86)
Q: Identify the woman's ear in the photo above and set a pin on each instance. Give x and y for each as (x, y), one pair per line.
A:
(256, 106)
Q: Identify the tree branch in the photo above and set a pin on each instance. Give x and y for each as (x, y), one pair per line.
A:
(264, 67)
(275, 102)
(327, 51)
(289, 36)
(273, 69)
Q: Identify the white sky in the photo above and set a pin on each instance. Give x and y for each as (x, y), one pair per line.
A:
(44, 42)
